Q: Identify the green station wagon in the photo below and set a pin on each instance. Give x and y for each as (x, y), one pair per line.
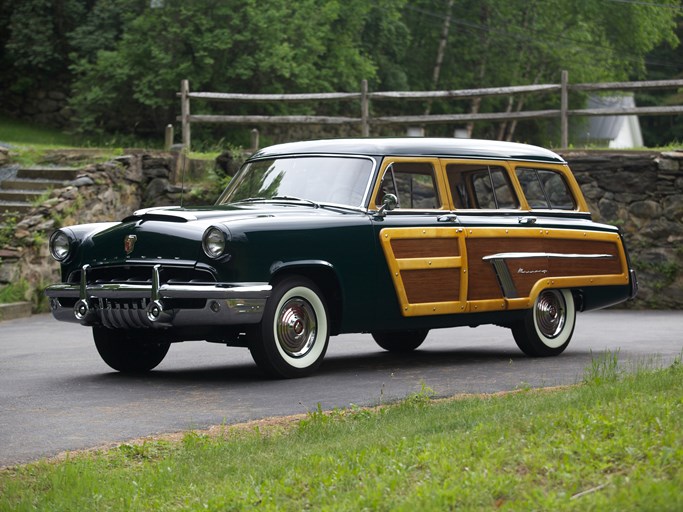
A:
(391, 237)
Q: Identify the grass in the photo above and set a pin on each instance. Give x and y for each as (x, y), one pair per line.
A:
(21, 133)
(613, 443)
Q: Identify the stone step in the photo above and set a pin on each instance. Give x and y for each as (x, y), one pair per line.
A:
(29, 184)
(15, 310)
(15, 207)
(50, 173)
(19, 196)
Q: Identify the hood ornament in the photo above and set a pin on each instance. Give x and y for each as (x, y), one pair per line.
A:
(129, 243)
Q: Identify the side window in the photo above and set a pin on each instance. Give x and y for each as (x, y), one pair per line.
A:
(413, 183)
(480, 186)
(545, 188)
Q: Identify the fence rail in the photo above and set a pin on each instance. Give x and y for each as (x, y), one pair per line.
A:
(365, 121)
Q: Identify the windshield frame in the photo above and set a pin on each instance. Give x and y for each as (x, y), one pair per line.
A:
(237, 178)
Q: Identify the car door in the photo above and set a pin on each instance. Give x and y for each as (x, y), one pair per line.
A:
(421, 239)
(487, 202)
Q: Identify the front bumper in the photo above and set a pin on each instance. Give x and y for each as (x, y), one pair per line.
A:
(134, 306)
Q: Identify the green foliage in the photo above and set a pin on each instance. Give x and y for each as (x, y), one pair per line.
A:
(661, 274)
(603, 369)
(122, 60)
(7, 227)
(239, 45)
(14, 292)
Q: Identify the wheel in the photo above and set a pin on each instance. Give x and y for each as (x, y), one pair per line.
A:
(292, 338)
(546, 329)
(400, 341)
(128, 351)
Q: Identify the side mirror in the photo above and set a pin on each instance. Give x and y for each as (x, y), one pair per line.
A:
(389, 203)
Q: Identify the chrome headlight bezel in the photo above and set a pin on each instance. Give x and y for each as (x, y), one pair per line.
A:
(215, 242)
(61, 245)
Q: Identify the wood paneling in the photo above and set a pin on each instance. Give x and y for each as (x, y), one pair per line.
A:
(425, 247)
(432, 285)
(483, 283)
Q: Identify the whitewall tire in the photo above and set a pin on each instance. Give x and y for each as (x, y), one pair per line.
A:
(547, 328)
(292, 338)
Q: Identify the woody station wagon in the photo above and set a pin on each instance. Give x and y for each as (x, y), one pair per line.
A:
(391, 237)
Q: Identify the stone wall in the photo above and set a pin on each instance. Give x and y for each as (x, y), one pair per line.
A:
(101, 193)
(47, 107)
(642, 192)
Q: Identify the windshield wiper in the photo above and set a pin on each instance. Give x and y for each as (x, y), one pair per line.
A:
(291, 198)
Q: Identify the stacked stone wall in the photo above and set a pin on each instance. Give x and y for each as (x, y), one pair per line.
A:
(41, 107)
(101, 193)
(642, 193)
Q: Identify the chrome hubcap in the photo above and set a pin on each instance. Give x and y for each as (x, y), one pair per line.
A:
(296, 327)
(551, 313)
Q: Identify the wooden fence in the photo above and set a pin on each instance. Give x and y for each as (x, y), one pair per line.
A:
(365, 121)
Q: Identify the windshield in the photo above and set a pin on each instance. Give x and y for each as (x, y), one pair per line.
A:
(321, 179)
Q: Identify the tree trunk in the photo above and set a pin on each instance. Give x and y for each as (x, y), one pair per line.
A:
(440, 51)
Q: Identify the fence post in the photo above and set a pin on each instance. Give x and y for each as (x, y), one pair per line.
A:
(254, 140)
(168, 137)
(564, 108)
(185, 112)
(364, 109)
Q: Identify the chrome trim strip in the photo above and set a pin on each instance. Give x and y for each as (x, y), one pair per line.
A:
(166, 291)
(504, 279)
(170, 211)
(521, 255)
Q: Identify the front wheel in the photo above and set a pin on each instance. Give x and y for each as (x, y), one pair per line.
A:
(128, 351)
(292, 338)
(547, 328)
(400, 341)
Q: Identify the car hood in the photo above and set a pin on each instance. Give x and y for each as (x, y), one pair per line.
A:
(173, 235)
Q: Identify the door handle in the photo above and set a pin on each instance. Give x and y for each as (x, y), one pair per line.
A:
(527, 220)
(447, 218)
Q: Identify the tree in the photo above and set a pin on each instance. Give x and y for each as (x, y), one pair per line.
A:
(514, 42)
(237, 45)
(35, 41)
(122, 60)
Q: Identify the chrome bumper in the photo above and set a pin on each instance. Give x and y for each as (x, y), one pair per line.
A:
(131, 306)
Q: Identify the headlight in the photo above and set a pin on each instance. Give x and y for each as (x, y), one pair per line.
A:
(214, 242)
(60, 245)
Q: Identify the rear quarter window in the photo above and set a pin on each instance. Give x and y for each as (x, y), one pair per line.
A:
(545, 189)
(480, 186)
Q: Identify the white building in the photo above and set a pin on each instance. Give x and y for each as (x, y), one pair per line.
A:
(613, 131)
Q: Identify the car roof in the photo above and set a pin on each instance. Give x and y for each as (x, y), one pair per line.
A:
(413, 146)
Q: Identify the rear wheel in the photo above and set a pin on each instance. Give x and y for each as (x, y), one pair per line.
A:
(128, 351)
(547, 328)
(292, 338)
(400, 341)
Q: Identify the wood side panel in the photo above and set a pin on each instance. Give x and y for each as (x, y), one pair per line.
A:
(425, 247)
(432, 285)
(526, 272)
(483, 283)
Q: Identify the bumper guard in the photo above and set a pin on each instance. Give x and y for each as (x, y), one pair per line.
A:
(123, 305)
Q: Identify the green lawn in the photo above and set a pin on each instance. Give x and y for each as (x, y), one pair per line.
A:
(20, 133)
(613, 443)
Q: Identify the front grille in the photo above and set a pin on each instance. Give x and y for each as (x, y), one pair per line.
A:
(122, 313)
(132, 314)
(143, 274)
